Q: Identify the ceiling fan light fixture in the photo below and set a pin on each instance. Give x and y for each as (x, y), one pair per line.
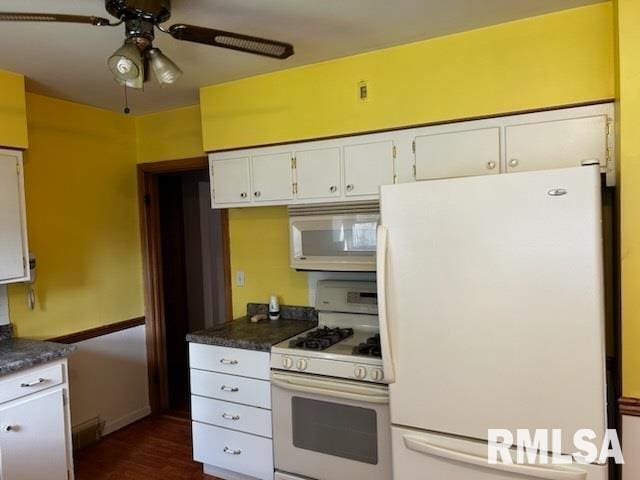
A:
(126, 63)
(165, 70)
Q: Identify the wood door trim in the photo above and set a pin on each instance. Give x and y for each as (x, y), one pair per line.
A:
(152, 268)
(629, 406)
(99, 331)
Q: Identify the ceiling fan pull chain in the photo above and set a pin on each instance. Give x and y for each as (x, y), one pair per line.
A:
(127, 110)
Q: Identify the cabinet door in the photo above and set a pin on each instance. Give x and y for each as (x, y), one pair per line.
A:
(318, 173)
(230, 180)
(458, 154)
(32, 439)
(13, 241)
(557, 144)
(366, 167)
(272, 177)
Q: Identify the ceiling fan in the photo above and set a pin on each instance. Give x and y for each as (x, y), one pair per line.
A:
(141, 18)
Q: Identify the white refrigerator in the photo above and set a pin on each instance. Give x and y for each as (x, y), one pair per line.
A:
(491, 301)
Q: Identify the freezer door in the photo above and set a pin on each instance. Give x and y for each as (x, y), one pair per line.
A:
(418, 455)
(495, 307)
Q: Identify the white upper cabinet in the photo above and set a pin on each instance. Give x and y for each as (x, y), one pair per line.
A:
(457, 153)
(272, 176)
(230, 181)
(367, 166)
(318, 173)
(350, 169)
(14, 265)
(557, 143)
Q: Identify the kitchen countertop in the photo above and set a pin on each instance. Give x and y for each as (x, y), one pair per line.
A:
(261, 336)
(19, 354)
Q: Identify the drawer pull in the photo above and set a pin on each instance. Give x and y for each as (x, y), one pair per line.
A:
(11, 428)
(225, 361)
(230, 451)
(228, 416)
(33, 384)
(229, 389)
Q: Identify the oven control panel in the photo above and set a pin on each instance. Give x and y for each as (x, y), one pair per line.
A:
(347, 297)
(368, 372)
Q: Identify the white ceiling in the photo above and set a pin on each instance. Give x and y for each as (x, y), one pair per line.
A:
(69, 61)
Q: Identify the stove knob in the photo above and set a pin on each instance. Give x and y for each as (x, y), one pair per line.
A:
(287, 362)
(360, 372)
(377, 375)
(302, 364)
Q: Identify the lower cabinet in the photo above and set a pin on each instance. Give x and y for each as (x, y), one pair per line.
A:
(34, 430)
(231, 412)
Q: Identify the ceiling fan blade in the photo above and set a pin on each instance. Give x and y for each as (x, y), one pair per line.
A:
(53, 17)
(234, 41)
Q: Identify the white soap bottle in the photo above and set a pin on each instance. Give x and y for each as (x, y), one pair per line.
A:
(274, 308)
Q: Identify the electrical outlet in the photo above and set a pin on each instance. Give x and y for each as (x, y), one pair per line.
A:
(363, 91)
(239, 279)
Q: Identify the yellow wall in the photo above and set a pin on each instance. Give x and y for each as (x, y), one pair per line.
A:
(170, 135)
(82, 215)
(555, 59)
(260, 247)
(629, 112)
(13, 116)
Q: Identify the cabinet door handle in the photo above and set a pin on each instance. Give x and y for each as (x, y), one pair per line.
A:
(513, 162)
(256, 194)
(333, 188)
(229, 389)
(231, 451)
(11, 428)
(350, 187)
(243, 195)
(228, 416)
(226, 361)
(33, 384)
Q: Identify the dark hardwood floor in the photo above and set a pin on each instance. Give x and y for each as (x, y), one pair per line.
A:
(155, 448)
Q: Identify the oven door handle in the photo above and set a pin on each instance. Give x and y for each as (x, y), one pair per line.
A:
(385, 326)
(328, 388)
(421, 446)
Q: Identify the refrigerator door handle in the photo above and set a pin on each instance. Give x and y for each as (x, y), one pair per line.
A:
(419, 445)
(385, 330)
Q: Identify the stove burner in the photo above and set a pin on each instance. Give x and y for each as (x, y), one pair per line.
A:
(371, 347)
(321, 338)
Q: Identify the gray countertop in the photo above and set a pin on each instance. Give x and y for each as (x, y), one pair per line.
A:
(18, 354)
(261, 336)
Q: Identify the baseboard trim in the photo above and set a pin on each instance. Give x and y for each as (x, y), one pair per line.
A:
(630, 406)
(99, 331)
(110, 427)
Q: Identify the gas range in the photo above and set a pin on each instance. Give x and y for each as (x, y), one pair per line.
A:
(346, 343)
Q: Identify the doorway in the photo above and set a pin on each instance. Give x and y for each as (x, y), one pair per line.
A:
(185, 247)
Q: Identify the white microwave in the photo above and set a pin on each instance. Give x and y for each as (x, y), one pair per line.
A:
(334, 237)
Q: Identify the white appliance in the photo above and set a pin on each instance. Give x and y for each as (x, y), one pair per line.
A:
(330, 404)
(334, 237)
(491, 304)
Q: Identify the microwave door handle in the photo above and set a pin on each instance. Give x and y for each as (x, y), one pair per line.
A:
(385, 327)
(325, 390)
(421, 446)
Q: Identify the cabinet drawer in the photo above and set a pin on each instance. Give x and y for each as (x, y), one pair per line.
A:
(19, 385)
(234, 361)
(231, 415)
(239, 452)
(243, 390)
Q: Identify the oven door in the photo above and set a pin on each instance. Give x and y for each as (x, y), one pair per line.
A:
(334, 242)
(330, 429)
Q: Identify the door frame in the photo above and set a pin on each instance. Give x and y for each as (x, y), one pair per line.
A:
(149, 209)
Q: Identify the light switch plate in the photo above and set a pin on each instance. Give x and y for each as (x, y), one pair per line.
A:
(239, 279)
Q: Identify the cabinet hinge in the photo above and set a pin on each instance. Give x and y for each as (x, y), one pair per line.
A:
(609, 127)
(295, 188)
(294, 163)
(395, 151)
(24, 263)
(608, 153)
(413, 146)
(18, 167)
(415, 175)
